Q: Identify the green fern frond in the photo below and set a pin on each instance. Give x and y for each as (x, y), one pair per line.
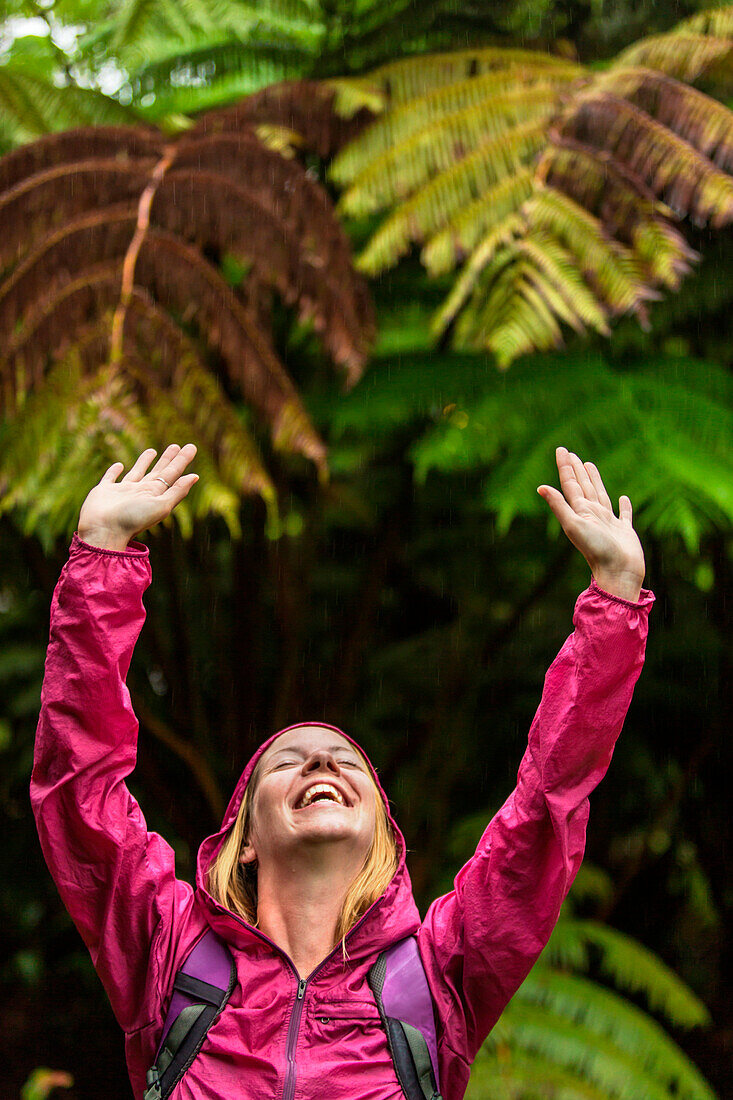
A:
(33, 106)
(447, 194)
(631, 1030)
(581, 398)
(556, 264)
(714, 21)
(352, 95)
(634, 968)
(575, 1047)
(515, 1074)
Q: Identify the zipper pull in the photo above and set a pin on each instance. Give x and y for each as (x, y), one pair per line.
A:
(301, 988)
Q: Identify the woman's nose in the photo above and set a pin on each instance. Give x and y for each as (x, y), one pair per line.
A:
(321, 759)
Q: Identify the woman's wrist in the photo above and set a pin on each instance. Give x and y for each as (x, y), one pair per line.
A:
(625, 585)
(103, 539)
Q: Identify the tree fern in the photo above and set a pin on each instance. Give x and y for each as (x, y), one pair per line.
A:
(465, 148)
(143, 270)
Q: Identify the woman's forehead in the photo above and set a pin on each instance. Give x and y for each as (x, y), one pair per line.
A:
(306, 739)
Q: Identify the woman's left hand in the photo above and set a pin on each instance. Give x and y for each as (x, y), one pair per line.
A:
(610, 545)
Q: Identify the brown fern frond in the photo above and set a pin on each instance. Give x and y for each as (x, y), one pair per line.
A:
(305, 107)
(685, 179)
(303, 205)
(692, 115)
(622, 203)
(214, 212)
(71, 146)
(182, 281)
(87, 239)
(38, 206)
(150, 263)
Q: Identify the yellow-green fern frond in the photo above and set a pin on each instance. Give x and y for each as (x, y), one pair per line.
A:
(603, 164)
(498, 90)
(461, 234)
(684, 56)
(397, 173)
(610, 267)
(448, 195)
(413, 76)
(481, 264)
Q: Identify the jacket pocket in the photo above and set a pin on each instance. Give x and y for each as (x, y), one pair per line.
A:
(334, 1019)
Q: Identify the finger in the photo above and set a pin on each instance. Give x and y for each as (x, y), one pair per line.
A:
(598, 485)
(169, 453)
(625, 511)
(568, 479)
(584, 481)
(113, 472)
(558, 503)
(137, 473)
(178, 463)
(177, 492)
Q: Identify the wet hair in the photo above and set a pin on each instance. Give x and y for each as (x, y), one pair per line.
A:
(234, 885)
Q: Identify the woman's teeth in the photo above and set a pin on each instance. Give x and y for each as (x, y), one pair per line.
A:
(322, 789)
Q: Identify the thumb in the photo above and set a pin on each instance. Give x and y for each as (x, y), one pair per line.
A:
(558, 504)
(625, 511)
(113, 472)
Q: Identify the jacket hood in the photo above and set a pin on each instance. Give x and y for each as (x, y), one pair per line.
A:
(392, 917)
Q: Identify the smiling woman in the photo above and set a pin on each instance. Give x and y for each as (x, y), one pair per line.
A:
(308, 858)
(298, 755)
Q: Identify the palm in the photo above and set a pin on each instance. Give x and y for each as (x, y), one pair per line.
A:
(607, 542)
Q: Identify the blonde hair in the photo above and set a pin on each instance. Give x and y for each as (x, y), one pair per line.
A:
(234, 885)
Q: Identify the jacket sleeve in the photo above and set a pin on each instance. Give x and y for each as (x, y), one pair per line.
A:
(479, 942)
(116, 879)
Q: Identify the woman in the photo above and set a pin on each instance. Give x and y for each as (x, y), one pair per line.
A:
(306, 879)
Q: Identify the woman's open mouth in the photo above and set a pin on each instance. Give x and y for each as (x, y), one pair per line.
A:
(320, 792)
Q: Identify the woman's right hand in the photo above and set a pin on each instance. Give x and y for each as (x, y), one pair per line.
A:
(115, 511)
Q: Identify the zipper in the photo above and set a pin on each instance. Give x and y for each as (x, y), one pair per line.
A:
(292, 1041)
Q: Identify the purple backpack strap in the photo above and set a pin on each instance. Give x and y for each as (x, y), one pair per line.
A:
(201, 989)
(405, 1004)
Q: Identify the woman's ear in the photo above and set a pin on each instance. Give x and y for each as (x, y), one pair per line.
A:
(247, 854)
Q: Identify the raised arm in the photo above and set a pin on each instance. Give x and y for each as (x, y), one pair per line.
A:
(480, 941)
(116, 879)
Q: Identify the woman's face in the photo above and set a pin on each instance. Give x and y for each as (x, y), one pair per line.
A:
(312, 789)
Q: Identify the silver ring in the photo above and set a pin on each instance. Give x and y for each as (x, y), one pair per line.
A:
(161, 479)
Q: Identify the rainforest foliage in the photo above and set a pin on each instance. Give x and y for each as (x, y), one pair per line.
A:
(262, 231)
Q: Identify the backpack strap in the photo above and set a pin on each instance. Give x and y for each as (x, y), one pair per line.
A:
(403, 998)
(201, 988)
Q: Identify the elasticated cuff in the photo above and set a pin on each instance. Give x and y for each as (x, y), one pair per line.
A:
(134, 549)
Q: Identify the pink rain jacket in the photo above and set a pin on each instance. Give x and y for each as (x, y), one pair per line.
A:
(139, 921)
